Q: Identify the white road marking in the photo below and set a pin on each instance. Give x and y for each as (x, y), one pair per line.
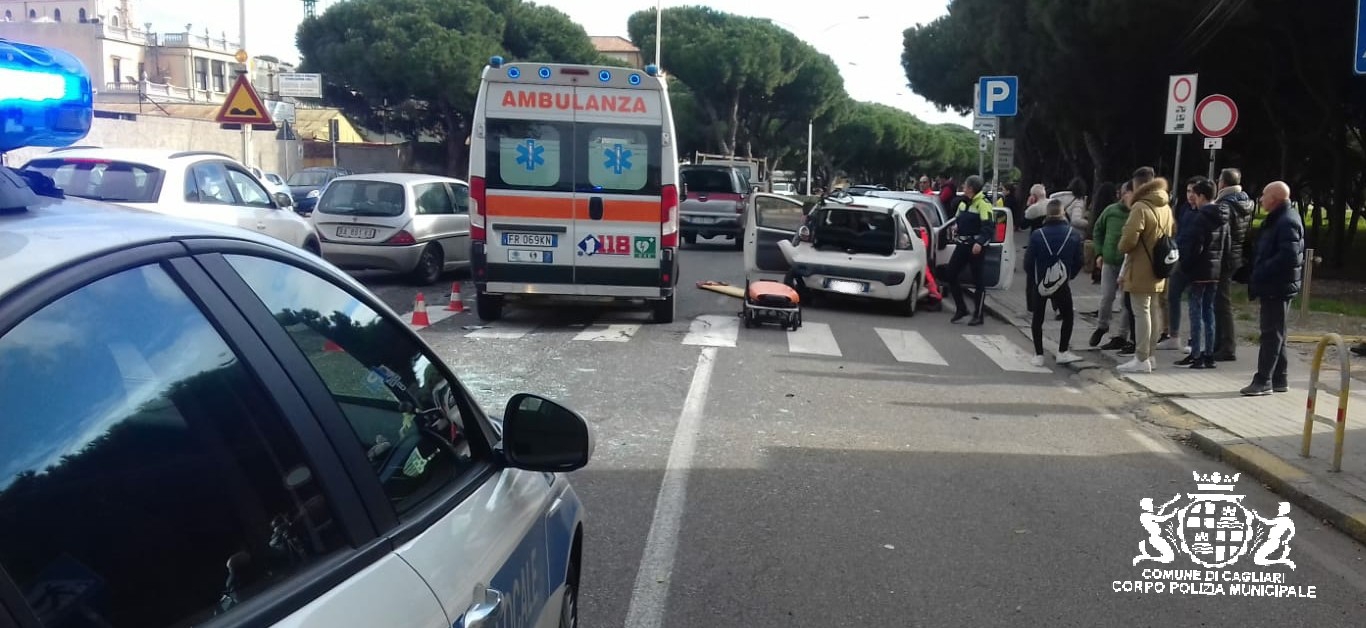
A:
(813, 338)
(1148, 443)
(651, 589)
(910, 346)
(434, 315)
(1005, 354)
(608, 333)
(713, 331)
(501, 332)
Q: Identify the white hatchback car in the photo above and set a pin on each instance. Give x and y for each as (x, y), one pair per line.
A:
(198, 185)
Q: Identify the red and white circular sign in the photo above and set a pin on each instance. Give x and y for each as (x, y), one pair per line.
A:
(1182, 90)
(1216, 115)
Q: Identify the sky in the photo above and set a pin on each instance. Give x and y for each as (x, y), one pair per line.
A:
(864, 37)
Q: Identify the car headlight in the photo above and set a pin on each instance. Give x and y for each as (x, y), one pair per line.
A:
(314, 194)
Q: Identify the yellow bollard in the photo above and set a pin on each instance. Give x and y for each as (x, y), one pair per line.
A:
(1344, 393)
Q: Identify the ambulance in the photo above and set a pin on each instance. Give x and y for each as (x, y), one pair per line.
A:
(574, 187)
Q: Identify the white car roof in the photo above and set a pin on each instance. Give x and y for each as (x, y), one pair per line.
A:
(156, 157)
(403, 178)
(54, 233)
(882, 203)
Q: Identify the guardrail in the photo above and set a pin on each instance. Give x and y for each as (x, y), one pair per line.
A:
(1343, 391)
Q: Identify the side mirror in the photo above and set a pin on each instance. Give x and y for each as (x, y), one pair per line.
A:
(541, 435)
(283, 201)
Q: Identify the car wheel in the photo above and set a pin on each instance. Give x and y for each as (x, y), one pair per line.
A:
(908, 306)
(312, 246)
(740, 242)
(569, 607)
(429, 266)
(663, 311)
(489, 307)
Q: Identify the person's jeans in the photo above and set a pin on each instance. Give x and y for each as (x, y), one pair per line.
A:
(1109, 290)
(1202, 318)
(1129, 316)
(1226, 345)
(1063, 300)
(1176, 285)
(1271, 360)
(1146, 306)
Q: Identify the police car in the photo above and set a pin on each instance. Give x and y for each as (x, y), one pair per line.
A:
(202, 425)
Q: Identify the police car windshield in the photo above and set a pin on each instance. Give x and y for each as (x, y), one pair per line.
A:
(101, 180)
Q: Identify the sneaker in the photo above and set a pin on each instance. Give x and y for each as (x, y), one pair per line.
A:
(1115, 344)
(1067, 357)
(1134, 366)
(1188, 361)
(1256, 390)
(1037, 360)
(1097, 336)
(1128, 350)
(1226, 357)
(1168, 344)
(1280, 388)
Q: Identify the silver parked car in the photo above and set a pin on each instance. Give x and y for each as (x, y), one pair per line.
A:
(415, 224)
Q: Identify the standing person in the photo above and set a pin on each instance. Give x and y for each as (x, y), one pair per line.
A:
(1108, 229)
(1150, 219)
(1104, 197)
(1202, 263)
(1277, 265)
(1056, 242)
(975, 227)
(1187, 214)
(947, 190)
(1239, 207)
(1036, 207)
(1012, 201)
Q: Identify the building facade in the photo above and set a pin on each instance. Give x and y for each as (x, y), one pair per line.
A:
(618, 48)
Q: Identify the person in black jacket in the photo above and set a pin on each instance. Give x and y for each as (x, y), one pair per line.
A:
(1202, 263)
(1238, 205)
(1277, 267)
(1056, 241)
(974, 229)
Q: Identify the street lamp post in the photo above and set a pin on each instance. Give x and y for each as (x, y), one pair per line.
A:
(810, 132)
(659, 27)
(246, 71)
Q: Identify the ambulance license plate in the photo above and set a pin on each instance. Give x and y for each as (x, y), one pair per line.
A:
(519, 256)
(847, 287)
(530, 239)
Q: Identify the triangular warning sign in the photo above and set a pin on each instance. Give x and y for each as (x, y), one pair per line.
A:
(243, 106)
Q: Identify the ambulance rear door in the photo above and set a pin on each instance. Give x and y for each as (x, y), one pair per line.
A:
(617, 226)
(530, 149)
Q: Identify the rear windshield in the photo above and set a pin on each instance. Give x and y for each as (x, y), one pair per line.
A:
(313, 178)
(362, 198)
(102, 180)
(551, 156)
(714, 181)
(857, 231)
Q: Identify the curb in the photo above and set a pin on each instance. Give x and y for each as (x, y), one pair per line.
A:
(1339, 508)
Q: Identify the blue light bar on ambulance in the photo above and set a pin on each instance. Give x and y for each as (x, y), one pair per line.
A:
(496, 61)
(45, 97)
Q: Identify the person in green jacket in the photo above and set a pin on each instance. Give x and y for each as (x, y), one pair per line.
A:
(1109, 226)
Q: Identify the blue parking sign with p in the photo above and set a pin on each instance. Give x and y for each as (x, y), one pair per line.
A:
(1360, 63)
(998, 96)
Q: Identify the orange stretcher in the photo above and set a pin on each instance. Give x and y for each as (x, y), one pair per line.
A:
(772, 302)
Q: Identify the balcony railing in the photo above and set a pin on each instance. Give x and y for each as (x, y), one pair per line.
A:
(123, 33)
(161, 92)
(191, 40)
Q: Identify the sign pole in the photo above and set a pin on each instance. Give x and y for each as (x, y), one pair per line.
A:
(810, 135)
(1211, 163)
(1176, 172)
(246, 71)
(996, 165)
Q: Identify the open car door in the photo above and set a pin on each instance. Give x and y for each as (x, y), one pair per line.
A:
(770, 219)
(999, 270)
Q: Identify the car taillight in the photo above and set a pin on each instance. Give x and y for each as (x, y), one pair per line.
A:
(740, 206)
(477, 209)
(668, 216)
(401, 238)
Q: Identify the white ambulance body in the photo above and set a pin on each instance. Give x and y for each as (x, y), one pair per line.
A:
(574, 183)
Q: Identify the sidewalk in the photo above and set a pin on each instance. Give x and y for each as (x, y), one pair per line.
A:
(1259, 435)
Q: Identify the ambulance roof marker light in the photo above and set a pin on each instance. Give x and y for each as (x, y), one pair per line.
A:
(544, 72)
(514, 72)
(604, 76)
(496, 61)
(652, 70)
(635, 79)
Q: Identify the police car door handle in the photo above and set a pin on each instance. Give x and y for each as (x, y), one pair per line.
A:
(595, 208)
(484, 614)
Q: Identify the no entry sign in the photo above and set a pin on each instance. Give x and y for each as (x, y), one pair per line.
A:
(1216, 115)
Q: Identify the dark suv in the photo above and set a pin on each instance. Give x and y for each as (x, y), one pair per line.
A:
(716, 202)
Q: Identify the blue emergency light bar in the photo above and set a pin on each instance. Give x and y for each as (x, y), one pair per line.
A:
(45, 97)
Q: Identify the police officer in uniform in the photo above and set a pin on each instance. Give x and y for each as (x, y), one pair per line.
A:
(975, 228)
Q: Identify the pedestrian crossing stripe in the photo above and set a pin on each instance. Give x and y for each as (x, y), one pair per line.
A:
(811, 339)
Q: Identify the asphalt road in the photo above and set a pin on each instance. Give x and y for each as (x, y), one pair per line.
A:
(891, 472)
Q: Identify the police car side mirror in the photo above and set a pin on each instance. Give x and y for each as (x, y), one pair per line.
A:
(541, 435)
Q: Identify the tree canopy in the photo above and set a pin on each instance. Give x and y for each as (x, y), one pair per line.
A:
(1094, 74)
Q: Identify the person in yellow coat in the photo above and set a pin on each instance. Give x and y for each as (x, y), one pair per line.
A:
(1150, 219)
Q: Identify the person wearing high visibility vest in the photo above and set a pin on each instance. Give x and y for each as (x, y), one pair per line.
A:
(974, 227)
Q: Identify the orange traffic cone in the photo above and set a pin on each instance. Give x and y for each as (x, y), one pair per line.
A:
(457, 304)
(331, 347)
(420, 312)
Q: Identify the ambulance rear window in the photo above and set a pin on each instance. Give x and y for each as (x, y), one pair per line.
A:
(618, 159)
(528, 155)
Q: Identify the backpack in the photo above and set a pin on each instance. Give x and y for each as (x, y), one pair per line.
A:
(1164, 257)
(1056, 275)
